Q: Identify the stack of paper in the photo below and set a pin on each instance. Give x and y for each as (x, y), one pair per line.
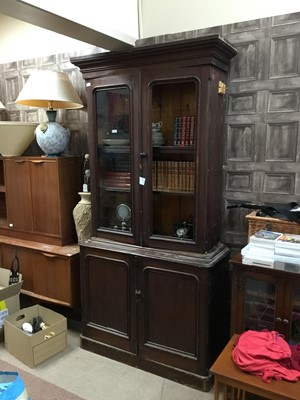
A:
(261, 249)
(288, 245)
(273, 250)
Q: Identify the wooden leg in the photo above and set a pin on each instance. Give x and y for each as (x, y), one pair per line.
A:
(225, 394)
(216, 389)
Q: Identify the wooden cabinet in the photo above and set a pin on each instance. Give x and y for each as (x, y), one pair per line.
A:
(265, 298)
(155, 143)
(161, 315)
(50, 273)
(37, 197)
(40, 194)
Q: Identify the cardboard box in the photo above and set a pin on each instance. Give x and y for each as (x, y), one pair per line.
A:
(34, 348)
(9, 298)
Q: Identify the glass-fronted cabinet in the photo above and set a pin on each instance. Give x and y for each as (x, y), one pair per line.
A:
(155, 143)
(114, 159)
(173, 126)
(265, 298)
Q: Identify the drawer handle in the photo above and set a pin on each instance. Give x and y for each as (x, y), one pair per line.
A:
(49, 255)
(49, 335)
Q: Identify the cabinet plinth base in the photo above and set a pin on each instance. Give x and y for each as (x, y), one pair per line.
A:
(199, 382)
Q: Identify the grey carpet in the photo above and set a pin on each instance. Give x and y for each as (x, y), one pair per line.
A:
(39, 389)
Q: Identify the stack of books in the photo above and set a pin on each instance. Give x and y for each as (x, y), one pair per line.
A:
(184, 130)
(117, 179)
(273, 250)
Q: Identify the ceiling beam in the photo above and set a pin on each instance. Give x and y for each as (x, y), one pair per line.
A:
(25, 12)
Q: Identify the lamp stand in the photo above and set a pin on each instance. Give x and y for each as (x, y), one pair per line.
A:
(52, 138)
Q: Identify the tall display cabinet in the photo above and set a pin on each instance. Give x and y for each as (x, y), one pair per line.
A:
(154, 275)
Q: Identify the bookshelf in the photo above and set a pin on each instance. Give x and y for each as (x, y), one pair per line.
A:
(154, 268)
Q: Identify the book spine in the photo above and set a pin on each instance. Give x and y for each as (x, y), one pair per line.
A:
(183, 131)
(188, 131)
(192, 131)
(154, 175)
(176, 130)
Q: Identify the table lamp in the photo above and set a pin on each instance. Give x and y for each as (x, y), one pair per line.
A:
(51, 90)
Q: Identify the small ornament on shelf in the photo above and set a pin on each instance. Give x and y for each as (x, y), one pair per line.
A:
(86, 174)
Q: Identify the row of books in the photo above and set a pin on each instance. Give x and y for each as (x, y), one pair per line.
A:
(117, 179)
(184, 130)
(173, 175)
(267, 248)
(168, 175)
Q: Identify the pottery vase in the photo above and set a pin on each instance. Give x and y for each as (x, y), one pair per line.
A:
(83, 217)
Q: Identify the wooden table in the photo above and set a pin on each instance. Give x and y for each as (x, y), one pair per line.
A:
(236, 382)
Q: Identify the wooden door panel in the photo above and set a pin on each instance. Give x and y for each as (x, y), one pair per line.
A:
(108, 302)
(52, 276)
(45, 197)
(170, 306)
(171, 320)
(18, 194)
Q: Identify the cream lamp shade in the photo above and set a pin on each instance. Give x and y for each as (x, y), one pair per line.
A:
(51, 90)
(2, 107)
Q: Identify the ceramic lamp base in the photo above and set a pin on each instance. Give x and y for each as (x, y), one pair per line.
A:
(52, 138)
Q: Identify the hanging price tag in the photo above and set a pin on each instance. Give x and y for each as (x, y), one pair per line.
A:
(142, 181)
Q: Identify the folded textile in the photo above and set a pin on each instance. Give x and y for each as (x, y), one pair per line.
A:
(263, 354)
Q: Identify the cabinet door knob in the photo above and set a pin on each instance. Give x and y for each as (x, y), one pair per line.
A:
(285, 321)
(278, 319)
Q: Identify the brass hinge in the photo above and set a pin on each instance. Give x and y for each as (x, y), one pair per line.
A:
(222, 87)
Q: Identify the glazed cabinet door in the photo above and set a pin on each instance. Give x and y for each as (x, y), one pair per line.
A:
(108, 300)
(179, 173)
(171, 316)
(290, 319)
(257, 300)
(114, 157)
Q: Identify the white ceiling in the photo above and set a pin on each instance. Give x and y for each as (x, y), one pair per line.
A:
(22, 24)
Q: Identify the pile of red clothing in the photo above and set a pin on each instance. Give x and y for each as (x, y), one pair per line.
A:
(267, 355)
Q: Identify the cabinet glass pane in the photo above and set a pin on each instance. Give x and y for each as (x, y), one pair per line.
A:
(260, 305)
(173, 122)
(295, 317)
(113, 129)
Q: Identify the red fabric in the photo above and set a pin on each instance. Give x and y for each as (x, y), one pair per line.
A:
(261, 354)
(294, 361)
